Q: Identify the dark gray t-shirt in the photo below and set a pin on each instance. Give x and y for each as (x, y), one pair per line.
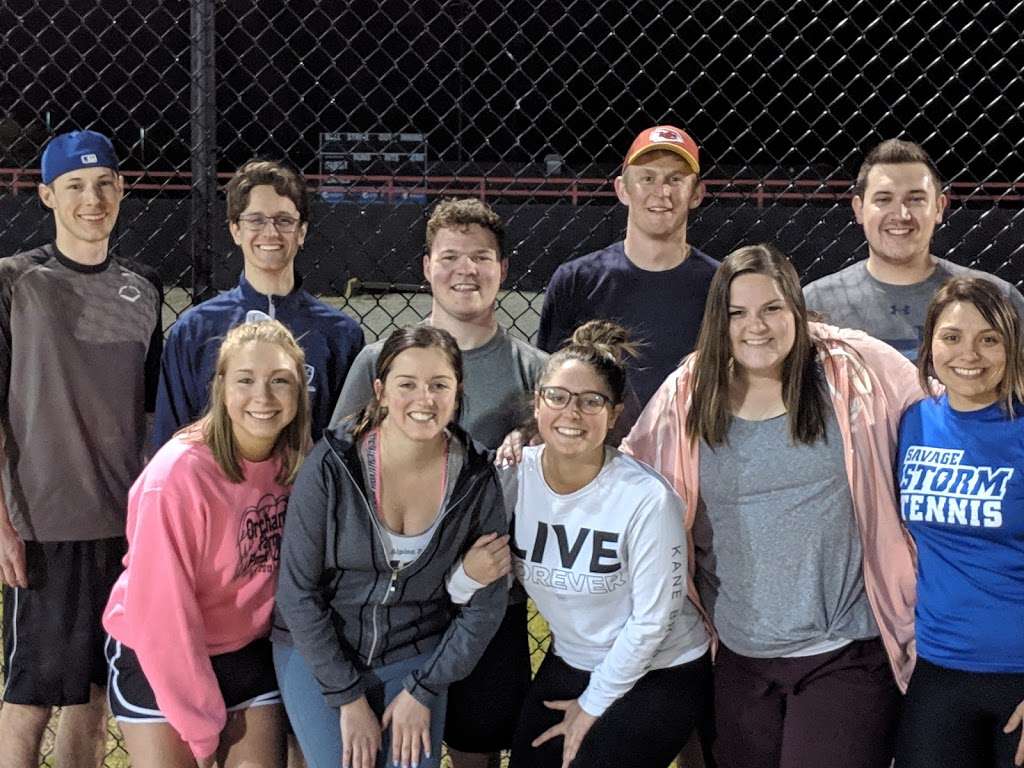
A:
(499, 377)
(852, 298)
(777, 547)
(74, 343)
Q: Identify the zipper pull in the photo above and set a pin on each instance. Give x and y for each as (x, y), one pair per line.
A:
(394, 578)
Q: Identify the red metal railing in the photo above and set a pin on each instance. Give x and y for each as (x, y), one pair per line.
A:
(395, 188)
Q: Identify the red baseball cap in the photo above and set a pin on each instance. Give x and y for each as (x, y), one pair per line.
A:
(666, 137)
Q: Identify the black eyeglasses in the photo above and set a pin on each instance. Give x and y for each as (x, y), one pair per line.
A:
(255, 222)
(558, 398)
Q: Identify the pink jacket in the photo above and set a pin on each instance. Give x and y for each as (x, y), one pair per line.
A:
(199, 578)
(870, 384)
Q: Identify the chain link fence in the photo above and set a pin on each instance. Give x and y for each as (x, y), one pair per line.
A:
(388, 106)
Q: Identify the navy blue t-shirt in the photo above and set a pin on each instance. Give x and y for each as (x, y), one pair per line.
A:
(962, 498)
(662, 310)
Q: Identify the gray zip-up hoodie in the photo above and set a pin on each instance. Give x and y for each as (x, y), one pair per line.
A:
(343, 606)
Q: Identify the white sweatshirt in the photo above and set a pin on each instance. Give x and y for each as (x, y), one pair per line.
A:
(606, 567)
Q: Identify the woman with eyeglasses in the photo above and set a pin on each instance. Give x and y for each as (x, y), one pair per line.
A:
(599, 545)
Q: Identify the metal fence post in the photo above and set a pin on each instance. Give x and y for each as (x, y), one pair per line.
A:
(203, 147)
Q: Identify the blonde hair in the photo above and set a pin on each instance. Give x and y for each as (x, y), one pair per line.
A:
(215, 425)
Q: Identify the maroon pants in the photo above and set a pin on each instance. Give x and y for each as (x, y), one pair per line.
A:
(838, 709)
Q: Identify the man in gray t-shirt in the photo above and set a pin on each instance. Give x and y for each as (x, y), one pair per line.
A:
(465, 265)
(898, 200)
(80, 339)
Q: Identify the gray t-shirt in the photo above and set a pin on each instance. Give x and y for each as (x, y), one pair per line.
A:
(777, 547)
(74, 345)
(499, 377)
(852, 298)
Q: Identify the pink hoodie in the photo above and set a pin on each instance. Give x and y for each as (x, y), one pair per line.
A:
(199, 578)
(870, 384)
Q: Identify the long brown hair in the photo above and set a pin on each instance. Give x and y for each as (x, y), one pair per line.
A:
(414, 337)
(995, 307)
(710, 414)
(215, 426)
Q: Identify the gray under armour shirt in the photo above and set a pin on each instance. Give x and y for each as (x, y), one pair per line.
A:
(778, 550)
(852, 298)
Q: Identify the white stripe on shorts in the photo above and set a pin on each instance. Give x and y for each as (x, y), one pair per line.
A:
(148, 715)
(263, 700)
(14, 642)
(155, 715)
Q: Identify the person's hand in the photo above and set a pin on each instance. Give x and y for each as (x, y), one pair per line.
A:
(510, 452)
(12, 558)
(1016, 721)
(574, 727)
(488, 559)
(410, 728)
(360, 735)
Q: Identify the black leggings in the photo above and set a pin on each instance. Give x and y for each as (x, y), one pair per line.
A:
(955, 719)
(645, 728)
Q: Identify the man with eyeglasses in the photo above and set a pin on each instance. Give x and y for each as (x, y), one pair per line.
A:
(654, 282)
(268, 216)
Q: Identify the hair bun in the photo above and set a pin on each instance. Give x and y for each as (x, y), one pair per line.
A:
(606, 338)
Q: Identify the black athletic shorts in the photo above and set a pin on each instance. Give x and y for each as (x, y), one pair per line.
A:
(483, 709)
(53, 635)
(246, 679)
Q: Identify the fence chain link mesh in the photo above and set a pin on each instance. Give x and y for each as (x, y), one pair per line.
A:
(388, 106)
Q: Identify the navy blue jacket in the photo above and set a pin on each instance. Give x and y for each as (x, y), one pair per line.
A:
(330, 338)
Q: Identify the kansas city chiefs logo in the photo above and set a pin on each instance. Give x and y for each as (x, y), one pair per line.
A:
(666, 134)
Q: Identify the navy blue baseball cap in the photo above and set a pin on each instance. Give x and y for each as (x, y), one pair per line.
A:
(77, 149)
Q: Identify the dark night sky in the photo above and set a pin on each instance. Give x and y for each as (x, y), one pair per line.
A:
(782, 89)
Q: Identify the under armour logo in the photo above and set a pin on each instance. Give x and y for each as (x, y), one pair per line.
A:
(904, 310)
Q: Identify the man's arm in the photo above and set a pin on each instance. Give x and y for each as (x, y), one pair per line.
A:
(175, 404)
(358, 388)
(557, 315)
(344, 368)
(12, 548)
(155, 351)
(151, 371)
